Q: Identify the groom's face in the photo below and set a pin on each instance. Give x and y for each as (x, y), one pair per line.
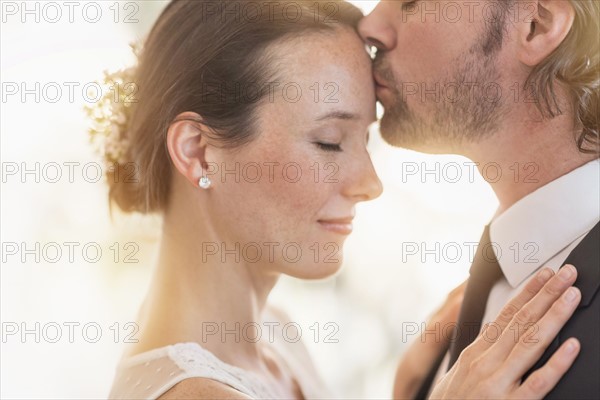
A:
(440, 70)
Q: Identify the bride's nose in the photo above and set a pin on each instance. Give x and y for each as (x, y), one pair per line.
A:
(363, 184)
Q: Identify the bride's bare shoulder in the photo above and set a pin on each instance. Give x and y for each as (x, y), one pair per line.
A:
(201, 389)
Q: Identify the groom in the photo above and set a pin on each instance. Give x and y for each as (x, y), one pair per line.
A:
(515, 83)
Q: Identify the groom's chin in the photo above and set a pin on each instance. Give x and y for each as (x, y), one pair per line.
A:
(400, 134)
(404, 135)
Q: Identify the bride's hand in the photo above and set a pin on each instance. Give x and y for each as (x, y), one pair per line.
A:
(528, 324)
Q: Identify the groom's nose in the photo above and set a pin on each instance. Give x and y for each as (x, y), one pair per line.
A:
(377, 29)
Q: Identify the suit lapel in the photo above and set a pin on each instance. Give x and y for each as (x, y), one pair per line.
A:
(586, 258)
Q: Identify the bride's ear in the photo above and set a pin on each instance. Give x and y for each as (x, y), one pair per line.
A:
(187, 140)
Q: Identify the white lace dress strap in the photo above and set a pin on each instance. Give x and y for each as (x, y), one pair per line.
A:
(151, 374)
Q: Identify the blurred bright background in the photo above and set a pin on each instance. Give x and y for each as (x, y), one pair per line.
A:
(377, 291)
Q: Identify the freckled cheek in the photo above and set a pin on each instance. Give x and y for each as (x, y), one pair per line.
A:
(284, 201)
(291, 184)
(299, 193)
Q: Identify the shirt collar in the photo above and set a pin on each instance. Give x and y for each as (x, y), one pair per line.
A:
(547, 220)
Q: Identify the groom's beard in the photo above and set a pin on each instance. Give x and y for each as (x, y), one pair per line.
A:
(458, 113)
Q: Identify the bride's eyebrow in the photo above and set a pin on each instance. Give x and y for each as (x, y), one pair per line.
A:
(344, 115)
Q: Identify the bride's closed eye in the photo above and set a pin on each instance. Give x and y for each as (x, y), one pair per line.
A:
(328, 146)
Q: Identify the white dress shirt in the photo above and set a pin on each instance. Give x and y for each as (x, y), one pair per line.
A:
(540, 230)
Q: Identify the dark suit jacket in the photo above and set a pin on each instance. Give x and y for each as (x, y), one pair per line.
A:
(582, 380)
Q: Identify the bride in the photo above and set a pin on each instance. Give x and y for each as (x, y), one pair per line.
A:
(249, 138)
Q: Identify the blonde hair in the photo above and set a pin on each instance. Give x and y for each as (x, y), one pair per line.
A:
(575, 64)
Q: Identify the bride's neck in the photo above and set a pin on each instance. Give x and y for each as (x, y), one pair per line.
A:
(194, 297)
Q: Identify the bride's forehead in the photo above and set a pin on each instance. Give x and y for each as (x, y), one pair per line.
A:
(347, 72)
(312, 46)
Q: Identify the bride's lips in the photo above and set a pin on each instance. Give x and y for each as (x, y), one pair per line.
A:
(343, 226)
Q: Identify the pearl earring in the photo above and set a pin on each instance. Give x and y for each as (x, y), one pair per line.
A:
(204, 181)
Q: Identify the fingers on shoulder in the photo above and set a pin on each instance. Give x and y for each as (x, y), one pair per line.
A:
(541, 381)
(202, 389)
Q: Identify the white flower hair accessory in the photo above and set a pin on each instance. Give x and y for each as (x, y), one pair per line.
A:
(110, 115)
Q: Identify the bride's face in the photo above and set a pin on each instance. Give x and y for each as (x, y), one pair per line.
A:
(287, 198)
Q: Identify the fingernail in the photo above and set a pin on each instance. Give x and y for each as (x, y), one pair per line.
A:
(566, 272)
(570, 294)
(545, 274)
(571, 346)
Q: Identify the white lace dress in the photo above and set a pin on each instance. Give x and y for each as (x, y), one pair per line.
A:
(151, 374)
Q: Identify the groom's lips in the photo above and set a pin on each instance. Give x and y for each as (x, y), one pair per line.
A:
(380, 87)
(343, 226)
(378, 81)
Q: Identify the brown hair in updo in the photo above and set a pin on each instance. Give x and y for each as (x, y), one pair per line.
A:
(195, 54)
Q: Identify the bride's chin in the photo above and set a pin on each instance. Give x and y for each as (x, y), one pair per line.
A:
(316, 271)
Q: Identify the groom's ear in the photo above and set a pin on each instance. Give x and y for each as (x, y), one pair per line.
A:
(545, 26)
(187, 140)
